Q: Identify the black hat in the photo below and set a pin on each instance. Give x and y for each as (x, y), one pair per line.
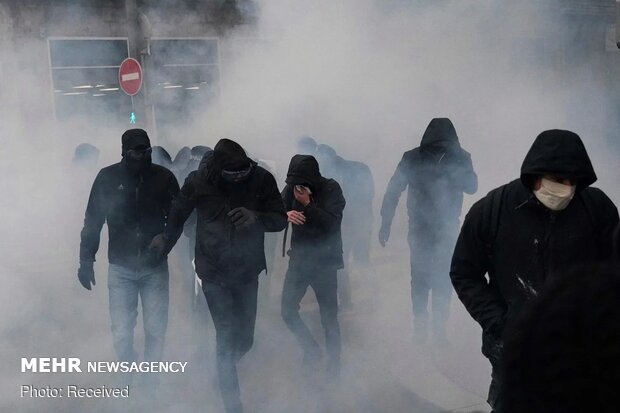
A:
(134, 138)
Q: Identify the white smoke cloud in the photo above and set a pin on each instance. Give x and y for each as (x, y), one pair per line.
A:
(365, 76)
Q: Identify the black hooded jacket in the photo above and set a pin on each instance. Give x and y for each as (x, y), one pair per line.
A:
(437, 173)
(522, 244)
(135, 206)
(319, 240)
(224, 254)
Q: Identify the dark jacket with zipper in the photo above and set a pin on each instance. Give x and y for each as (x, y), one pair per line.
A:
(227, 255)
(523, 245)
(437, 174)
(319, 239)
(135, 207)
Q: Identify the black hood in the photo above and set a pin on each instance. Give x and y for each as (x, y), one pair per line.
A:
(560, 153)
(228, 154)
(440, 132)
(304, 169)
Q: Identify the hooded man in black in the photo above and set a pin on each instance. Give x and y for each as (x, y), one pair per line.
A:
(134, 197)
(437, 173)
(526, 234)
(161, 157)
(315, 205)
(236, 202)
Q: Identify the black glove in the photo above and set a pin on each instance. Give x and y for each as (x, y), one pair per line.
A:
(86, 274)
(384, 235)
(242, 217)
(158, 246)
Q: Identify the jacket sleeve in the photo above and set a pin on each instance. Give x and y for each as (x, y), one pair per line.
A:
(94, 219)
(328, 217)
(395, 187)
(272, 213)
(470, 263)
(468, 176)
(172, 191)
(287, 198)
(181, 208)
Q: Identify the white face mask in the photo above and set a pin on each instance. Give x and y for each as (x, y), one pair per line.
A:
(554, 195)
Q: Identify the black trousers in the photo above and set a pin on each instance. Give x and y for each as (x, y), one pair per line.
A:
(324, 282)
(233, 310)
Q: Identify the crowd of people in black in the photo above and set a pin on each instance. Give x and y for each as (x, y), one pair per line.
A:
(534, 262)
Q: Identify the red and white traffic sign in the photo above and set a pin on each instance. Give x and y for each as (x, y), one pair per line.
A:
(130, 76)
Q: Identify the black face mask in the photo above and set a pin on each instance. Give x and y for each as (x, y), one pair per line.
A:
(138, 159)
(237, 175)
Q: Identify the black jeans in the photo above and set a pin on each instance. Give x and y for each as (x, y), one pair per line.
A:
(233, 310)
(324, 282)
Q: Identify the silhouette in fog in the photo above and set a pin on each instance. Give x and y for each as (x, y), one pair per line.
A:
(181, 162)
(236, 202)
(134, 197)
(528, 233)
(437, 174)
(85, 156)
(306, 145)
(314, 206)
(359, 190)
(161, 157)
(562, 353)
(195, 156)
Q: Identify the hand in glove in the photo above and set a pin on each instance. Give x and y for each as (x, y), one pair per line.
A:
(86, 274)
(242, 217)
(158, 245)
(384, 235)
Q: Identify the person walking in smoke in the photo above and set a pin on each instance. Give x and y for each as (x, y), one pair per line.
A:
(437, 174)
(315, 205)
(134, 197)
(236, 202)
(527, 234)
(161, 157)
(359, 190)
(306, 145)
(86, 156)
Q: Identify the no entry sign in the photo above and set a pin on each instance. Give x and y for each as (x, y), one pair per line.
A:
(130, 76)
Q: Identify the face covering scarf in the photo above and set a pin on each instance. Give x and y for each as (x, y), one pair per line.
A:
(554, 195)
(239, 175)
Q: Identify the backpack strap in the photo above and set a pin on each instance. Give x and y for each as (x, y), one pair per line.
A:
(492, 212)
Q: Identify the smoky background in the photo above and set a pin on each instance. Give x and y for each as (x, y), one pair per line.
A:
(363, 76)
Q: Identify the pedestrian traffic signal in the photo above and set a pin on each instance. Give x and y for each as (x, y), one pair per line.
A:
(132, 117)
